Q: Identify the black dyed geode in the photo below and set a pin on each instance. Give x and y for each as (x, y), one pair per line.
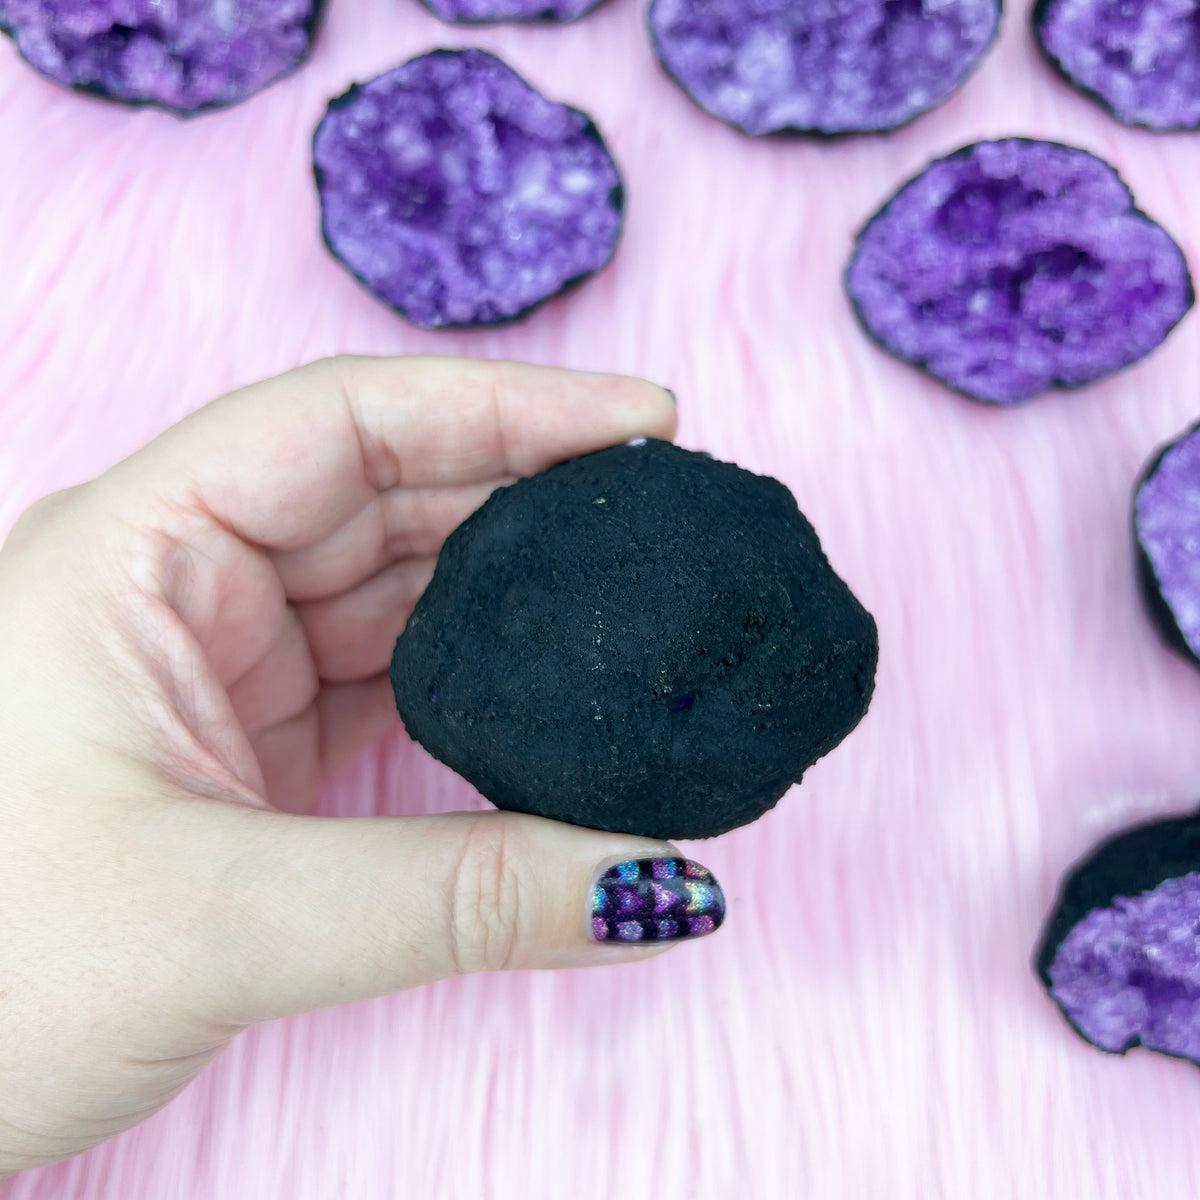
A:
(1014, 266)
(460, 195)
(1139, 58)
(186, 56)
(833, 67)
(641, 640)
(1166, 519)
(1119, 952)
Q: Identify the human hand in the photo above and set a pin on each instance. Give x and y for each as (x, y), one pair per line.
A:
(189, 645)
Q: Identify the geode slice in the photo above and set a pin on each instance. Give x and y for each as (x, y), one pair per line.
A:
(487, 12)
(841, 66)
(461, 196)
(642, 640)
(1120, 953)
(1139, 58)
(1014, 266)
(182, 55)
(1166, 518)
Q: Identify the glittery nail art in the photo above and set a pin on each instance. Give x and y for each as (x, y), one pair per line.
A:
(656, 900)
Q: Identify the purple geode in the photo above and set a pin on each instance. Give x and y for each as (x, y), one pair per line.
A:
(487, 12)
(1166, 517)
(1139, 58)
(459, 195)
(1014, 266)
(182, 55)
(839, 66)
(1121, 952)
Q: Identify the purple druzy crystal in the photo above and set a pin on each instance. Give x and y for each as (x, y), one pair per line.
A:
(1014, 266)
(1167, 523)
(461, 196)
(181, 55)
(1140, 58)
(837, 66)
(485, 12)
(1129, 974)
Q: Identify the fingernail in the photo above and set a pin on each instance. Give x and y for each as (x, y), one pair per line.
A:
(674, 398)
(656, 900)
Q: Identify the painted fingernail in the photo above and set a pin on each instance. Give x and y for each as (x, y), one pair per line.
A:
(656, 900)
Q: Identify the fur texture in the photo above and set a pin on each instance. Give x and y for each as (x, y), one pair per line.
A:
(868, 1023)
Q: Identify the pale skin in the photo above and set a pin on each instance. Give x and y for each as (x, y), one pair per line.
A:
(189, 646)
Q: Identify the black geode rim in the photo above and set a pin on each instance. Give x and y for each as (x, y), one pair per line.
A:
(795, 133)
(543, 18)
(616, 197)
(1057, 385)
(1128, 863)
(1038, 17)
(311, 25)
(1161, 613)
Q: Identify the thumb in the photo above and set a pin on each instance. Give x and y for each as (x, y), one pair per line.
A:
(298, 913)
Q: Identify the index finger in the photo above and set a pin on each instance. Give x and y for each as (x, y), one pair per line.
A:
(286, 462)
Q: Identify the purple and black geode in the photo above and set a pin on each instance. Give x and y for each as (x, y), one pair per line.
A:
(490, 12)
(1120, 952)
(461, 196)
(1166, 520)
(1139, 58)
(1015, 266)
(186, 56)
(840, 66)
(642, 640)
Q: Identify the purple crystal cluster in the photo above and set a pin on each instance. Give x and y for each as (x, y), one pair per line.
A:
(837, 66)
(1015, 266)
(1167, 523)
(1140, 58)
(1129, 974)
(486, 12)
(461, 196)
(1120, 951)
(181, 55)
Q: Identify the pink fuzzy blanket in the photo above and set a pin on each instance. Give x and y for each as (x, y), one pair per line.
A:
(867, 1023)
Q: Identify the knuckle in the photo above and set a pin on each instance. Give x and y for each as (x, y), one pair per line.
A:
(37, 516)
(329, 364)
(486, 905)
(333, 367)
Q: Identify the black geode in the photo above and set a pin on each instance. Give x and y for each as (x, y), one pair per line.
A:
(187, 56)
(642, 640)
(460, 195)
(1014, 266)
(850, 66)
(1138, 58)
(1166, 521)
(1119, 953)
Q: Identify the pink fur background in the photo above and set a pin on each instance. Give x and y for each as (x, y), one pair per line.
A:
(867, 1024)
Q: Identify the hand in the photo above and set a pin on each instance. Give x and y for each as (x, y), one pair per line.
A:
(189, 645)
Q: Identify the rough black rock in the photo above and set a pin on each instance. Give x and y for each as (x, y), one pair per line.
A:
(642, 640)
(1118, 953)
